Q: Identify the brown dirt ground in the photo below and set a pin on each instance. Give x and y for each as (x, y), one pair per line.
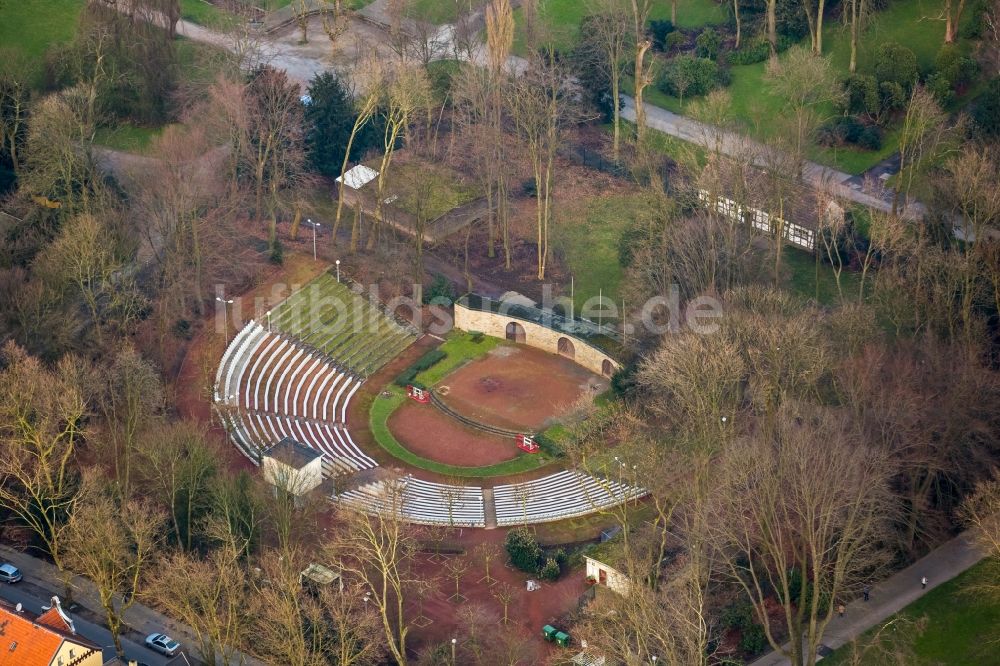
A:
(429, 433)
(527, 613)
(518, 387)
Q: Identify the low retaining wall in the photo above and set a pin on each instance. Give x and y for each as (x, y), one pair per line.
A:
(535, 335)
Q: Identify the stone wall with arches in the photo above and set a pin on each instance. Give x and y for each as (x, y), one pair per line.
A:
(535, 335)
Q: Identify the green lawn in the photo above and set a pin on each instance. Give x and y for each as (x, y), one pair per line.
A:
(961, 629)
(383, 407)
(127, 137)
(439, 11)
(564, 17)
(587, 235)
(30, 27)
(207, 14)
(460, 348)
(754, 106)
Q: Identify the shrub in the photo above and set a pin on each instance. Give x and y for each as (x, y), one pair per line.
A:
(550, 570)
(957, 68)
(523, 549)
(862, 95)
(892, 96)
(759, 50)
(708, 44)
(986, 110)
(870, 138)
(675, 40)
(688, 76)
(659, 31)
(752, 639)
(737, 616)
(277, 255)
(441, 291)
(940, 87)
(425, 362)
(894, 62)
(549, 446)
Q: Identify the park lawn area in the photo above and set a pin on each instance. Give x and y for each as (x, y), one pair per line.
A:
(564, 16)
(802, 279)
(127, 137)
(433, 187)
(587, 235)
(30, 27)
(383, 407)
(912, 24)
(207, 14)
(962, 628)
(438, 11)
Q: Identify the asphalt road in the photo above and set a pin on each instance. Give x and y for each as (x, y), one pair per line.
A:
(33, 602)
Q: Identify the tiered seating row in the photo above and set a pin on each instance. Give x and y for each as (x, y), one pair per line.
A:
(562, 495)
(327, 316)
(422, 502)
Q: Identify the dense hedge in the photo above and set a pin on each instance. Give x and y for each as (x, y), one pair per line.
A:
(428, 360)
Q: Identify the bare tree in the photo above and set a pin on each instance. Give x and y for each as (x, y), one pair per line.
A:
(378, 549)
(612, 33)
(504, 594)
(542, 107)
(15, 95)
(487, 552)
(923, 135)
(802, 513)
(178, 465)
(209, 594)
(642, 71)
(456, 568)
(952, 19)
(113, 545)
(41, 415)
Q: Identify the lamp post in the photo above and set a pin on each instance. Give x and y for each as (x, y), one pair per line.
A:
(225, 314)
(314, 225)
(268, 321)
(338, 269)
(453, 642)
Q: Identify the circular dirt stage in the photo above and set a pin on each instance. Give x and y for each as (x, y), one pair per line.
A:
(431, 434)
(518, 388)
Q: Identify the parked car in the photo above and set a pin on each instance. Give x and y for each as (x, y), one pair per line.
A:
(163, 644)
(9, 573)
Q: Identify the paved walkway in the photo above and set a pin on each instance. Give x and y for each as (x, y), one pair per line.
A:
(840, 184)
(895, 593)
(140, 620)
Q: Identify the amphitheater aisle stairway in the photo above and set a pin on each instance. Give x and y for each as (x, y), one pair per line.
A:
(489, 509)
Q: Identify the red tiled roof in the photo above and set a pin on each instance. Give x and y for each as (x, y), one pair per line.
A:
(25, 641)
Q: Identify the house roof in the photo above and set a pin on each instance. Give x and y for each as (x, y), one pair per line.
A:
(359, 176)
(29, 640)
(291, 453)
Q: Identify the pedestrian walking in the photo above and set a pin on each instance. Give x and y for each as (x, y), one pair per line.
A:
(840, 610)
(923, 583)
(866, 591)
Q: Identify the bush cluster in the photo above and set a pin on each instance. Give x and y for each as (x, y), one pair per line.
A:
(527, 555)
(690, 76)
(759, 50)
(425, 362)
(952, 71)
(848, 130)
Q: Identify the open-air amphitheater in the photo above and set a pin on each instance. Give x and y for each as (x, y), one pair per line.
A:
(294, 374)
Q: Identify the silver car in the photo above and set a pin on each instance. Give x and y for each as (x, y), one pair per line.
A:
(9, 573)
(163, 644)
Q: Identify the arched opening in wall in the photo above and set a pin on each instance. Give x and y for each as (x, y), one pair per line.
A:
(515, 332)
(565, 348)
(606, 368)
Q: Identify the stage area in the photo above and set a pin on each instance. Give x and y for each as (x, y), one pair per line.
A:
(431, 434)
(517, 387)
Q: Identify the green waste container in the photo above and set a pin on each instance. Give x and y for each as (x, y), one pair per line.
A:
(562, 638)
(549, 632)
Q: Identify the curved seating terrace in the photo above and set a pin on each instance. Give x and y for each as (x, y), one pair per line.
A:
(296, 376)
